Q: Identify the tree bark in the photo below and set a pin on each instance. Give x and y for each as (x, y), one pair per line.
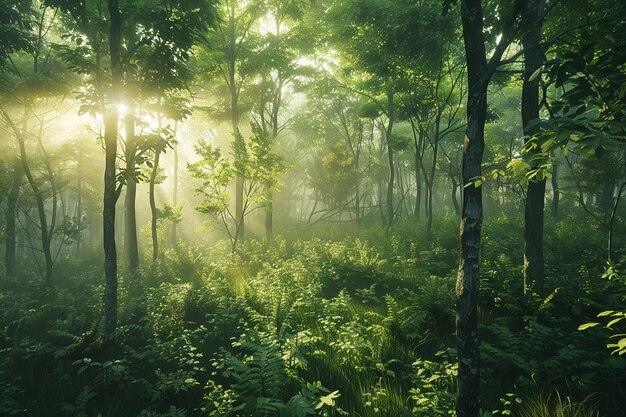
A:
(535, 195)
(110, 191)
(468, 280)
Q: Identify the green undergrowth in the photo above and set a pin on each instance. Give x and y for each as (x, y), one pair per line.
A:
(357, 326)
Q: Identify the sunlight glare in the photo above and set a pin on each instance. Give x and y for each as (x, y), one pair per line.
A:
(122, 109)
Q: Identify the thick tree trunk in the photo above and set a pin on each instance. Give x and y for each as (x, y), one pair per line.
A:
(11, 215)
(535, 195)
(110, 192)
(468, 281)
(130, 221)
(153, 209)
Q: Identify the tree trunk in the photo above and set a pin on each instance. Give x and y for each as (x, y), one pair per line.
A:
(468, 280)
(418, 182)
(555, 192)
(391, 114)
(234, 118)
(535, 195)
(269, 227)
(175, 194)
(430, 184)
(455, 201)
(41, 210)
(130, 234)
(110, 192)
(11, 213)
(79, 199)
(153, 209)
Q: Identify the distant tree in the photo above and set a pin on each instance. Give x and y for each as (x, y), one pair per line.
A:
(16, 23)
(275, 66)
(588, 113)
(225, 52)
(531, 19)
(253, 162)
(34, 78)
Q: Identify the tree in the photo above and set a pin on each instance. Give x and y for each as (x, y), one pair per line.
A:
(587, 116)
(227, 50)
(16, 34)
(480, 69)
(170, 29)
(254, 163)
(275, 65)
(532, 17)
(34, 78)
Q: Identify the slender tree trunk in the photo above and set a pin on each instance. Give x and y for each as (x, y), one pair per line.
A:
(391, 114)
(429, 211)
(175, 194)
(468, 281)
(357, 182)
(381, 207)
(418, 185)
(455, 201)
(234, 117)
(110, 191)
(11, 215)
(130, 221)
(269, 220)
(620, 191)
(555, 191)
(153, 209)
(79, 199)
(612, 222)
(535, 195)
(41, 210)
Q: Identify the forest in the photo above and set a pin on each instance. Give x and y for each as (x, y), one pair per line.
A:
(292, 208)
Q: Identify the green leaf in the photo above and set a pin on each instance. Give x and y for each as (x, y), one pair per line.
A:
(587, 326)
(614, 321)
(535, 74)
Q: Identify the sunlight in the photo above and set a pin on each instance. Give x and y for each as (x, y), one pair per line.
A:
(150, 122)
(312, 208)
(122, 109)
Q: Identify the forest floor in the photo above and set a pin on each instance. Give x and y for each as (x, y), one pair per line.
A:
(360, 323)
